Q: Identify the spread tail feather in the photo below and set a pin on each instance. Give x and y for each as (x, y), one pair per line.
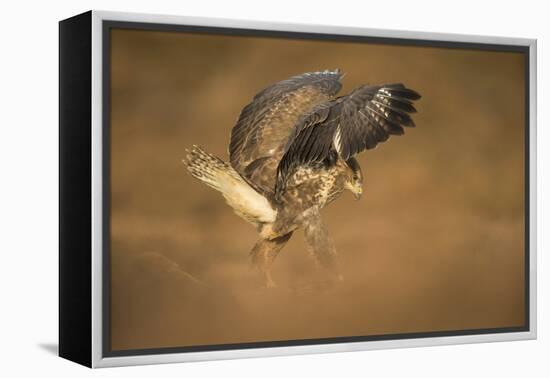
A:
(214, 172)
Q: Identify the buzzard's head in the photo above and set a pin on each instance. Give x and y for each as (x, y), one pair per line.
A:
(354, 182)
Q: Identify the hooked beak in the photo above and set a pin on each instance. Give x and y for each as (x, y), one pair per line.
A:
(357, 194)
(355, 188)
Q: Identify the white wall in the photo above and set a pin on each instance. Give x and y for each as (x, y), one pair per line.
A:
(28, 167)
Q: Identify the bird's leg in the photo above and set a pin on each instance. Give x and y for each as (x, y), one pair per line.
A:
(320, 244)
(264, 253)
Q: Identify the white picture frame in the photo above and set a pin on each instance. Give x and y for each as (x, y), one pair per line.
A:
(94, 354)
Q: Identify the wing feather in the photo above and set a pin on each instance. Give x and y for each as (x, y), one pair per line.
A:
(260, 135)
(347, 126)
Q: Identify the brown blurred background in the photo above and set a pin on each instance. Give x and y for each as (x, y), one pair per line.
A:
(436, 243)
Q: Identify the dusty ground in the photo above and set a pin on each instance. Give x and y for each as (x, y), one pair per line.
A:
(436, 242)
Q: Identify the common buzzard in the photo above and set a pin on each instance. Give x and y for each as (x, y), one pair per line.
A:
(292, 152)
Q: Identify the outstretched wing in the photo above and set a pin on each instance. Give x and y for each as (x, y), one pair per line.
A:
(262, 130)
(347, 126)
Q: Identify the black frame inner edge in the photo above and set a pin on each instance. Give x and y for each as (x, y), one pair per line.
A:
(107, 25)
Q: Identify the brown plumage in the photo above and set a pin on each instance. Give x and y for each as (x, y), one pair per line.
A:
(292, 152)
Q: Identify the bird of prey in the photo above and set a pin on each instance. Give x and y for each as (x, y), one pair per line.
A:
(292, 152)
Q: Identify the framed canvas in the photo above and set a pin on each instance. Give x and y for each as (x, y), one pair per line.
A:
(391, 173)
